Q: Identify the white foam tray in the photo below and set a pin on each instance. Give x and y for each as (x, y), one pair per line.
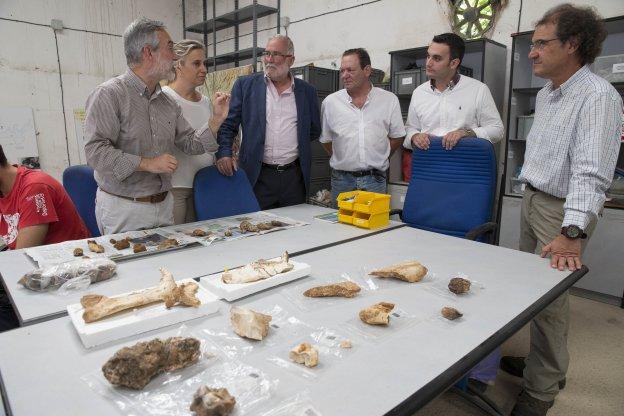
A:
(233, 291)
(137, 321)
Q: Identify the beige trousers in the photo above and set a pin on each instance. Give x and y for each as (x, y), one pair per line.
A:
(183, 205)
(548, 359)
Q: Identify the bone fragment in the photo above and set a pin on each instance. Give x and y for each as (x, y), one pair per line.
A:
(343, 289)
(95, 247)
(378, 314)
(409, 271)
(257, 270)
(249, 324)
(209, 401)
(304, 354)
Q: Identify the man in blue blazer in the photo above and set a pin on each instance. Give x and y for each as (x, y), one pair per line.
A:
(279, 116)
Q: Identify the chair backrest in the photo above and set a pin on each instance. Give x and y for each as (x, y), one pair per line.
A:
(218, 196)
(451, 191)
(80, 184)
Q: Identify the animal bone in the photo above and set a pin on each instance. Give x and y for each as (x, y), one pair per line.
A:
(409, 271)
(258, 270)
(168, 243)
(95, 247)
(378, 314)
(247, 226)
(122, 244)
(249, 324)
(304, 354)
(451, 313)
(198, 232)
(345, 344)
(344, 289)
(78, 252)
(458, 285)
(97, 307)
(212, 402)
(139, 247)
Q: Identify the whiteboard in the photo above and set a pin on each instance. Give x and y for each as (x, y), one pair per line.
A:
(17, 133)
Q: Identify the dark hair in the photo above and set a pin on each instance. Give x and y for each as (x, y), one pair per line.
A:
(455, 43)
(3, 159)
(580, 23)
(362, 55)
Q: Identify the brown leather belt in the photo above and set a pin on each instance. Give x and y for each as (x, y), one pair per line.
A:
(152, 199)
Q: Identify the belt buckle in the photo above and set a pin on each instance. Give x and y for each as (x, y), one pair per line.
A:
(280, 168)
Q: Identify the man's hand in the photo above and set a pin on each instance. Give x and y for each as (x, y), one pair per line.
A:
(220, 106)
(227, 165)
(451, 138)
(421, 141)
(164, 163)
(564, 250)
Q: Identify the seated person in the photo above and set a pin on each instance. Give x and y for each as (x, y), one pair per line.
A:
(34, 210)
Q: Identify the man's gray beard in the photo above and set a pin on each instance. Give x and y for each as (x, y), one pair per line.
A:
(161, 71)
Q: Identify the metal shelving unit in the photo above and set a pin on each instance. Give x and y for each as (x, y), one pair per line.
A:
(232, 19)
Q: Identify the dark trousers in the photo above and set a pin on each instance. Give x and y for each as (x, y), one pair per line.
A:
(8, 319)
(276, 189)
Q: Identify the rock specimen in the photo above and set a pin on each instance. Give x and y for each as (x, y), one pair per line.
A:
(139, 247)
(212, 402)
(95, 247)
(249, 324)
(304, 354)
(198, 232)
(258, 270)
(409, 271)
(276, 223)
(378, 314)
(458, 285)
(168, 243)
(451, 313)
(97, 307)
(135, 366)
(122, 244)
(246, 226)
(345, 344)
(78, 252)
(227, 233)
(343, 289)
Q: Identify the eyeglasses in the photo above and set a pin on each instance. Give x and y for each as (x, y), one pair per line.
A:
(273, 54)
(540, 43)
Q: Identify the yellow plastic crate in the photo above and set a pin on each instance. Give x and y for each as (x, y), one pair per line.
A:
(364, 209)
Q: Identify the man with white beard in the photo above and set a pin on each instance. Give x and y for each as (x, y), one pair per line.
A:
(279, 116)
(131, 128)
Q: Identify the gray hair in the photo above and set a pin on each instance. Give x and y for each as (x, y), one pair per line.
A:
(141, 32)
(289, 42)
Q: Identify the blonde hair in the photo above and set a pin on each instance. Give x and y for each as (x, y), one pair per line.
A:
(181, 50)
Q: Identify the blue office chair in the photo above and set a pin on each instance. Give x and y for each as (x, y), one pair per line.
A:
(219, 196)
(452, 193)
(79, 183)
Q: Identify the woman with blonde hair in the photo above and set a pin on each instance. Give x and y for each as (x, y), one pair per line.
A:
(189, 73)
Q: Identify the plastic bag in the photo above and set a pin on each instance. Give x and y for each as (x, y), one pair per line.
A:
(400, 320)
(55, 276)
(298, 405)
(440, 287)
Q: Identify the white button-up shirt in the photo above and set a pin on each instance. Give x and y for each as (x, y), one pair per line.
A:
(280, 140)
(573, 145)
(359, 136)
(466, 105)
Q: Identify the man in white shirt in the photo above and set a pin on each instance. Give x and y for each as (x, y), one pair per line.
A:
(570, 157)
(361, 127)
(450, 105)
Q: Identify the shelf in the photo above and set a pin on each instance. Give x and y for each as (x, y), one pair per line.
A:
(533, 90)
(611, 204)
(231, 19)
(517, 140)
(234, 56)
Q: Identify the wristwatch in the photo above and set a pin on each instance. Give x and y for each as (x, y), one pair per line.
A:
(469, 133)
(573, 231)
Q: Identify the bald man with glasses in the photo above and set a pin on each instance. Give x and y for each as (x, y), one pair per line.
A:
(279, 117)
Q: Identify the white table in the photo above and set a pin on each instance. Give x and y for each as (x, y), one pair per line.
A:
(191, 262)
(396, 377)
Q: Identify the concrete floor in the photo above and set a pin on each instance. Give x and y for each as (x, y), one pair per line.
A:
(595, 381)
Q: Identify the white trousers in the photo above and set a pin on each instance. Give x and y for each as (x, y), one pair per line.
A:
(116, 215)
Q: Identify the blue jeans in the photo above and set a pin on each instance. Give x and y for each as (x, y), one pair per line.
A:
(344, 182)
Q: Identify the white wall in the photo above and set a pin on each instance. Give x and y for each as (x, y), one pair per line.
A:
(28, 59)
(29, 66)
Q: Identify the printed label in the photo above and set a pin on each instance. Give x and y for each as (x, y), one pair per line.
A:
(618, 68)
(406, 81)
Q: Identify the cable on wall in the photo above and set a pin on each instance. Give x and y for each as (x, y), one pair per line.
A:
(58, 60)
(519, 16)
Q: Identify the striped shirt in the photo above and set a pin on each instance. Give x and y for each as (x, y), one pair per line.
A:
(124, 123)
(574, 142)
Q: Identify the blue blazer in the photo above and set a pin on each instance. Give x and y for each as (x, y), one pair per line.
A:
(248, 110)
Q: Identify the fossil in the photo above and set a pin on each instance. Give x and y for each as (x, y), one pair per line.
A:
(343, 289)
(458, 285)
(378, 314)
(247, 226)
(122, 244)
(258, 270)
(409, 271)
(227, 233)
(95, 247)
(345, 344)
(139, 247)
(209, 401)
(198, 232)
(168, 243)
(135, 366)
(97, 307)
(78, 252)
(304, 354)
(249, 324)
(451, 313)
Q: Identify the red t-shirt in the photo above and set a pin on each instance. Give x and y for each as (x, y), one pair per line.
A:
(37, 198)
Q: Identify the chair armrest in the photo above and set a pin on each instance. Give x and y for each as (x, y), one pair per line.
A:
(396, 211)
(486, 228)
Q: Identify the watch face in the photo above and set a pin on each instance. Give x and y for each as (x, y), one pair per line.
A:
(573, 231)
